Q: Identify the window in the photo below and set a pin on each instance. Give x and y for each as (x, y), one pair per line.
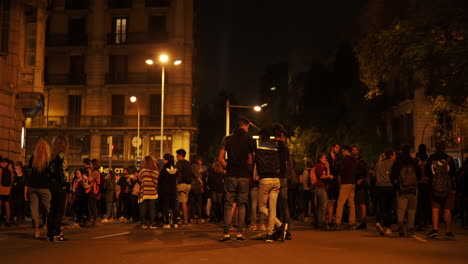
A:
(74, 110)
(118, 150)
(118, 104)
(119, 30)
(118, 69)
(4, 26)
(77, 31)
(155, 110)
(157, 24)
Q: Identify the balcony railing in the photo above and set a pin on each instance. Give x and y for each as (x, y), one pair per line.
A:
(157, 3)
(66, 40)
(67, 78)
(134, 78)
(137, 38)
(130, 122)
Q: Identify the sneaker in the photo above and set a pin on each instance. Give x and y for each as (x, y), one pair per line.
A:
(410, 232)
(262, 227)
(433, 234)
(288, 235)
(201, 221)
(240, 238)
(225, 238)
(388, 231)
(166, 226)
(153, 226)
(37, 233)
(450, 235)
(269, 239)
(59, 238)
(105, 220)
(143, 226)
(361, 226)
(253, 228)
(175, 226)
(380, 229)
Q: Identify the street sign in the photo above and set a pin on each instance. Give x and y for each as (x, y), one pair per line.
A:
(136, 142)
(138, 163)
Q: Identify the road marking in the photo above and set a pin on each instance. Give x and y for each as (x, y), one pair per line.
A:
(419, 238)
(113, 235)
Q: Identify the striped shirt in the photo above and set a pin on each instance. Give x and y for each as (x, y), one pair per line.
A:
(148, 180)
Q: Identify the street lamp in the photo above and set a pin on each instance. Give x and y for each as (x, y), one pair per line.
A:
(163, 59)
(256, 108)
(136, 142)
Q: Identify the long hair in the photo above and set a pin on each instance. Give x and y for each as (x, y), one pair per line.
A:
(149, 163)
(218, 167)
(41, 155)
(60, 144)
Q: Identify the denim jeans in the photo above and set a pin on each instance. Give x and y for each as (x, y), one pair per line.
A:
(144, 206)
(407, 203)
(254, 206)
(236, 191)
(36, 196)
(269, 190)
(322, 200)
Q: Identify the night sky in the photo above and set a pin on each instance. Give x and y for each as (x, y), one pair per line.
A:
(236, 39)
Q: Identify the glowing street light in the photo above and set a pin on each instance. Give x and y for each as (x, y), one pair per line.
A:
(137, 141)
(256, 108)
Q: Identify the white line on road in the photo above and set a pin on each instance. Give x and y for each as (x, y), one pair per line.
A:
(419, 238)
(113, 235)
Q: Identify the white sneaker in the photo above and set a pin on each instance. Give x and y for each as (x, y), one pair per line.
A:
(105, 220)
(176, 226)
(166, 226)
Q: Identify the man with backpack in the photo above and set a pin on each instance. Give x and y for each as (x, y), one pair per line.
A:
(441, 170)
(404, 175)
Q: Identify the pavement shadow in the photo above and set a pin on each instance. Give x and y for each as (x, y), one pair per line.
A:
(25, 236)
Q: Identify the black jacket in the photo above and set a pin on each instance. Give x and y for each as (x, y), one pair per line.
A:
(400, 162)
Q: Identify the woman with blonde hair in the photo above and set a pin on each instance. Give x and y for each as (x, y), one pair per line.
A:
(37, 182)
(148, 180)
(58, 184)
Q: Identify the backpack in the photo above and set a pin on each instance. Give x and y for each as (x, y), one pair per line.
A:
(6, 177)
(408, 181)
(441, 182)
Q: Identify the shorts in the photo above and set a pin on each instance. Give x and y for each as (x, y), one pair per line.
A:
(447, 202)
(183, 190)
(4, 198)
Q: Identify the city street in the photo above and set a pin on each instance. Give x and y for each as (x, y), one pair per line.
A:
(124, 243)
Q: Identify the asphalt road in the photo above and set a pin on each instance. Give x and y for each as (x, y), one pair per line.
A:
(124, 243)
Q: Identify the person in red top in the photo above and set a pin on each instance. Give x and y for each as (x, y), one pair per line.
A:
(322, 179)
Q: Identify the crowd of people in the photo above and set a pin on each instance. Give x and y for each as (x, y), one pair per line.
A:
(253, 184)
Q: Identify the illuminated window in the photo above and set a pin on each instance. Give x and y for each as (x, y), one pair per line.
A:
(120, 30)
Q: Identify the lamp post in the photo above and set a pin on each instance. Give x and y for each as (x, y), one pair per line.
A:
(136, 142)
(256, 108)
(163, 59)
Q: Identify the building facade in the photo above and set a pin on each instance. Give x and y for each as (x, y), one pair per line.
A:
(22, 31)
(95, 61)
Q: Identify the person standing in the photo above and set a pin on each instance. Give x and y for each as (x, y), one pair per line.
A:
(441, 170)
(18, 193)
(6, 182)
(111, 194)
(239, 148)
(346, 180)
(322, 179)
(184, 169)
(333, 161)
(385, 192)
(362, 186)
(58, 179)
(148, 179)
(37, 183)
(168, 191)
(405, 174)
(215, 185)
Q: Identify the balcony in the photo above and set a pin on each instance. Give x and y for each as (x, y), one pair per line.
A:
(76, 4)
(119, 3)
(130, 122)
(134, 78)
(66, 40)
(66, 78)
(157, 3)
(137, 38)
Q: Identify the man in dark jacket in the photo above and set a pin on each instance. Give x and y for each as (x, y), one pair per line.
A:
(346, 180)
(404, 175)
(446, 201)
